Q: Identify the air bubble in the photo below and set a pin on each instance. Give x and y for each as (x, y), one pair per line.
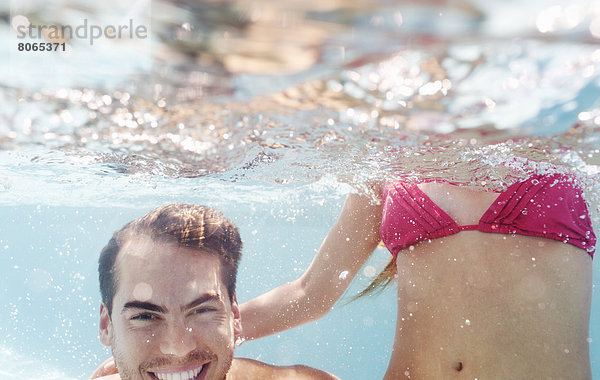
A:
(239, 341)
(20, 21)
(369, 271)
(142, 291)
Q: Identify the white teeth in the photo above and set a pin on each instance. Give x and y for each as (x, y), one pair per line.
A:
(185, 375)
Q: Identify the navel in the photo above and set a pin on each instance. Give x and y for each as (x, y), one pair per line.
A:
(458, 366)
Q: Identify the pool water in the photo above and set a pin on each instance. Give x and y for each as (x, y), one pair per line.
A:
(270, 113)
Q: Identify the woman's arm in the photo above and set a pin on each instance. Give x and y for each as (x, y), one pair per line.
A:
(345, 249)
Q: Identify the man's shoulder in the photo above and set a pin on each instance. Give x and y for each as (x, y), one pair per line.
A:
(243, 368)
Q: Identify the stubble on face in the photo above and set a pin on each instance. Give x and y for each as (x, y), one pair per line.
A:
(196, 356)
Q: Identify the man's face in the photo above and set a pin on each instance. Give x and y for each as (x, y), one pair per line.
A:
(172, 317)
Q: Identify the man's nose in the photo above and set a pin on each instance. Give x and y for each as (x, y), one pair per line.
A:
(178, 339)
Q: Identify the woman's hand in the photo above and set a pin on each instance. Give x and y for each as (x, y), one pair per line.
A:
(106, 371)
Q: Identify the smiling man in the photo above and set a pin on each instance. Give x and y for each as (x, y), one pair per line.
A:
(169, 310)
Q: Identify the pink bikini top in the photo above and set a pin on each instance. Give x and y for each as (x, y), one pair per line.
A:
(549, 206)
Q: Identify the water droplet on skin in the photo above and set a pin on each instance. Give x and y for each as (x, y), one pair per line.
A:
(531, 287)
(412, 307)
(343, 275)
(142, 291)
(467, 322)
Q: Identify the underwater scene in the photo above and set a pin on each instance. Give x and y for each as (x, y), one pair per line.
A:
(271, 112)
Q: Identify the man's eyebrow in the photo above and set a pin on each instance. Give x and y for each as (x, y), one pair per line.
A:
(143, 305)
(207, 297)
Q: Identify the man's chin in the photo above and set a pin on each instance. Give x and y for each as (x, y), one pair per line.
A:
(196, 366)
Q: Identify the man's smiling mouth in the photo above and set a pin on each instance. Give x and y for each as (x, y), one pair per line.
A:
(184, 375)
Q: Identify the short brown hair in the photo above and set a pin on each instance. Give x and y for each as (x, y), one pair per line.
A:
(190, 226)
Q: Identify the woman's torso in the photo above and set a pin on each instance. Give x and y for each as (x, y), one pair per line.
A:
(479, 305)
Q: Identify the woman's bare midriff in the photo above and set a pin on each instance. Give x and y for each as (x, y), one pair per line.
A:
(477, 305)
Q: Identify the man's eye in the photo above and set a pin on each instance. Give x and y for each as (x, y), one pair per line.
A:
(203, 310)
(143, 317)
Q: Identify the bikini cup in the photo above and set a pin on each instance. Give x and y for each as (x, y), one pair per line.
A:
(549, 206)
